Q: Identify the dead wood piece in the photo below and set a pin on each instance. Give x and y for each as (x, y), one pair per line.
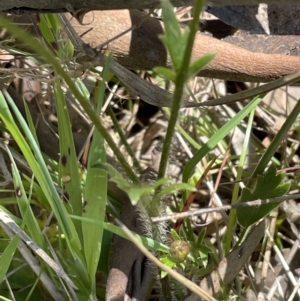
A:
(142, 49)
(280, 44)
(261, 19)
(77, 6)
(149, 93)
(57, 6)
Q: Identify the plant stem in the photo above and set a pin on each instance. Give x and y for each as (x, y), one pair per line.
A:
(181, 78)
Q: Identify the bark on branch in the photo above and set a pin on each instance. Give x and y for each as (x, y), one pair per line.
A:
(141, 48)
(63, 6)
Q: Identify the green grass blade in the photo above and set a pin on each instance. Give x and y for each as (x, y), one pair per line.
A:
(7, 256)
(95, 192)
(29, 219)
(218, 136)
(173, 39)
(68, 165)
(39, 168)
(232, 215)
(30, 121)
(147, 242)
(198, 64)
(51, 30)
(50, 58)
(282, 133)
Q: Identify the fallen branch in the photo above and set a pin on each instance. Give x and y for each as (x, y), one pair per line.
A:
(58, 6)
(154, 94)
(142, 49)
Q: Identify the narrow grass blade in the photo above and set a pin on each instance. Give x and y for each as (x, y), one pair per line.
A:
(68, 165)
(30, 122)
(29, 219)
(39, 168)
(218, 136)
(147, 242)
(7, 256)
(232, 214)
(282, 133)
(95, 192)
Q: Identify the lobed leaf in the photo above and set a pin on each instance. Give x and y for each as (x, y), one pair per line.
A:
(267, 186)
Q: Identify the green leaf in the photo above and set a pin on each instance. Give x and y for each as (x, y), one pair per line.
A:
(204, 257)
(201, 237)
(218, 136)
(266, 186)
(169, 262)
(68, 167)
(173, 39)
(198, 64)
(50, 28)
(172, 188)
(95, 192)
(115, 176)
(175, 235)
(135, 191)
(7, 256)
(47, 31)
(146, 241)
(165, 72)
(53, 22)
(30, 121)
(24, 206)
(205, 249)
(172, 27)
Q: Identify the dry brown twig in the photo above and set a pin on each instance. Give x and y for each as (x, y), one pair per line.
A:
(256, 203)
(267, 256)
(291, 255)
